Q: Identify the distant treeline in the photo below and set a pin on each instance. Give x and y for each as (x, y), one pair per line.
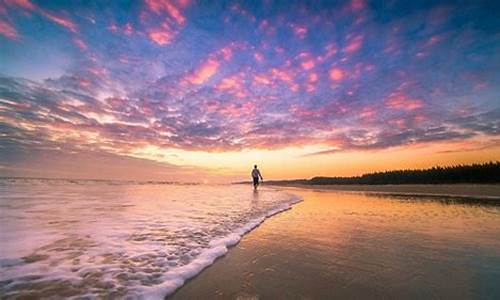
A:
(475, 173)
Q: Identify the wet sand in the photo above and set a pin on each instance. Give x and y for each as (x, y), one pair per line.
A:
(463, 190)
(349, 245)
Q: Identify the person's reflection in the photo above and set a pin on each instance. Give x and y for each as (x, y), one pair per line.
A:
(255, 195)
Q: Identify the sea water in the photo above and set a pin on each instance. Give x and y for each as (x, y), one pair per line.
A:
(61, 238)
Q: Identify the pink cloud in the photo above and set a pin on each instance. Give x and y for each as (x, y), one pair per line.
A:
(336, 74)
(113, 28)
(204, 72)
(367, 113)
(236, 8)
(330, 50)
(83, 82)
(311, 85)
(313, 77)
(65, 22)
(261, 79)
(7, 30)
(98, 71)
(233, 85)
(358, 4)
(211, 105)
(158, 6)
(282, 75)
(183, 3)
(267, 28)
(258, 56)
(434, 40)
(128, 30)
(227, 84)
(308, 64)
(299, 30)
(175, 13)
(61, 20)
(162, 35)
(264, 24)
(418, 119)
(227, 53)
(26, 4)
(402, 102)
(354, 44)
(80, 43)
(401, 123)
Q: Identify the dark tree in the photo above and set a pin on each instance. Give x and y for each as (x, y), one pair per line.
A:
(475, 173)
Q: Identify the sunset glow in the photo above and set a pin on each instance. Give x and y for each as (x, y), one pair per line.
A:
(202, 91)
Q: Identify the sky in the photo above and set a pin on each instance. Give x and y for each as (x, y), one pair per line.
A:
(181, 90)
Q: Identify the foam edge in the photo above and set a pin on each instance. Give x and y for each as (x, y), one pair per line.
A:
(176, 278)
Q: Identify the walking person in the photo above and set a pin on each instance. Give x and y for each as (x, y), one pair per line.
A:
(256, 175)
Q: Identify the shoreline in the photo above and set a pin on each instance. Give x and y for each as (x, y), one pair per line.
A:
(483, 191)
(177, 278)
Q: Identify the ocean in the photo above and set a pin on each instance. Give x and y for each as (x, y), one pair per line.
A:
(73, 238)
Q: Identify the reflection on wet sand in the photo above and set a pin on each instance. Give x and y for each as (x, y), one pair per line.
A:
(356, 245)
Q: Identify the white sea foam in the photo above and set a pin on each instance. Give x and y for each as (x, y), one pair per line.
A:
(138, 241)
(218, 247)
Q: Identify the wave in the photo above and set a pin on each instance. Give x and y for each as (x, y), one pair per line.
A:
(134, 241)
(174, 279)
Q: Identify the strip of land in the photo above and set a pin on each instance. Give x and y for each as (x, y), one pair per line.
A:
(474, 180)
(463, 190)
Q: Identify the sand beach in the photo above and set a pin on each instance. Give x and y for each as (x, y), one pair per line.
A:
(459, 190)
(356, 245)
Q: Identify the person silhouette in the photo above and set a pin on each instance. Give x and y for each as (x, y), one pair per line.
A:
(255, 176)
